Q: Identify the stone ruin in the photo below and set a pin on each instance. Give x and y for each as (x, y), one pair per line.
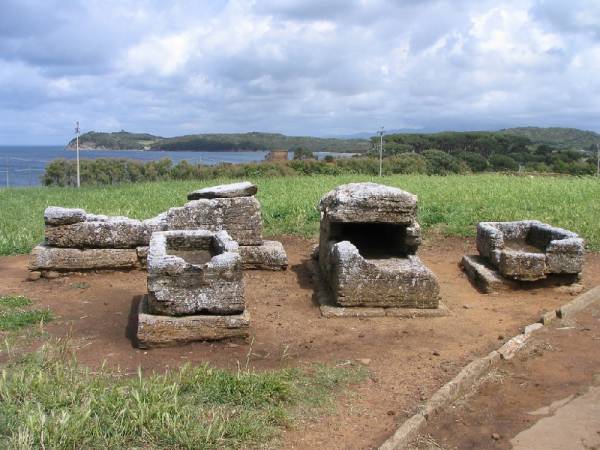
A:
(76, 241)
(195, 289)
(517, 253)
(367, 249)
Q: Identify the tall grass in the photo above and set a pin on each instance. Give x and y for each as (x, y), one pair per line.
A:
(48, 401)
(452, 203)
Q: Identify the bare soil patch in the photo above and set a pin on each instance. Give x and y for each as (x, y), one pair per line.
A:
(409, 359)
(559, 364)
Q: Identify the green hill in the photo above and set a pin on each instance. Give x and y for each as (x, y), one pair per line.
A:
(558, 137)
(217, 142)
(120, 140)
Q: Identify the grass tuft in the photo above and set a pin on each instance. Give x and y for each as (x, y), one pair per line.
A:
(48, 401)
(14, 313)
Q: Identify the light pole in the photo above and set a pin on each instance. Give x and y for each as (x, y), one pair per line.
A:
(380, 133)
(598, 160)
(77, 147)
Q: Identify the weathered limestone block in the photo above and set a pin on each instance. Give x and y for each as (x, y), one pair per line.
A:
(240, 217)
(529, 250)
(142, 253)
(194, 272)
(368, 239)
(55, 215)
(160, 331)
(43, 257)
(369, 202)
(389, 282)
(99, 232)
(268, 256)
(565, 256)
(243, 189)
(522, 265)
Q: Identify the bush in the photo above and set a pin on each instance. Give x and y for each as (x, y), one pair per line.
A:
(475, 161)
(503, 163)
(441, 163)
(405, 163)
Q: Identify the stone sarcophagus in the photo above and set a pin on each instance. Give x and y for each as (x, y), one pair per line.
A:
(367, 249)
(530, 250)
(78, 241)
(195, 289)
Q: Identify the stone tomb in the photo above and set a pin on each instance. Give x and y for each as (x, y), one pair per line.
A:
(78, 241)
(195, 289)
(367, 254)
(525, 253)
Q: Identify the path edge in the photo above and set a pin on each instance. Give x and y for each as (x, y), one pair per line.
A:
(468, 377)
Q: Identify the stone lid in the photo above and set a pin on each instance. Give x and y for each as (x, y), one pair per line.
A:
(55, 215)
(369, 202)
(243, 189)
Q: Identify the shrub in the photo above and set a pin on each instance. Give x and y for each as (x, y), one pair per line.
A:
(502, 163)
(441, 163)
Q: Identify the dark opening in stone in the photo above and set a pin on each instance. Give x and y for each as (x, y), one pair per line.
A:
(193, 250)
(373, 240)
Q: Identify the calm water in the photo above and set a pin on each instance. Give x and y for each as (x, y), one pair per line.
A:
(26, 164)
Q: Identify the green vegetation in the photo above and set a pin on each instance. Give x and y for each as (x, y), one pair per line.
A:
(558, 137)
(303, 153)
(218, 142)
(121, 140)
(15, 313)
(518, 149)
(48, 401)
(453, 203)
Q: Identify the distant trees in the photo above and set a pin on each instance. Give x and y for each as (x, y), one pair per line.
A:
(303, 153)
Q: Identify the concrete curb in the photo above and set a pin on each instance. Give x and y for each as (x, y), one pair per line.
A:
(579, 303)
(467, 378)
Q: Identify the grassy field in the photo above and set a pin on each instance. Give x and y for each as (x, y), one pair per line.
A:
(47, 400)
(453, 204)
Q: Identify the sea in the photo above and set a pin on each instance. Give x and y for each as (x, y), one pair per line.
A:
(24, 165)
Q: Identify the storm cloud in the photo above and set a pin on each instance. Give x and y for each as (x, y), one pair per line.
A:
(295, 66)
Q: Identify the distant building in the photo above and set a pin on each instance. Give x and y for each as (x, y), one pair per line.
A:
(277, 155)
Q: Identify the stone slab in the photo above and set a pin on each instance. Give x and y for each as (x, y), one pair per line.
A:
(483, 277)
(381, 282)
(163, 331)
(329, 309)
(56, 215)
(113, 233)
(369, 202)
(239, 216)
(579, 303)
(268, 256)
(43, 257)
(488, 280)
(243, 189)
(404, 313)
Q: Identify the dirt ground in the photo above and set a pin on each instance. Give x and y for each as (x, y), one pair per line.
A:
(546, 398)
(408, 359)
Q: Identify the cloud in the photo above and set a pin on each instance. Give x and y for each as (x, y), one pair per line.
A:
(299, 67)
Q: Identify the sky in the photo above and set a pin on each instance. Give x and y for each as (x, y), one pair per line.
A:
(299, 67)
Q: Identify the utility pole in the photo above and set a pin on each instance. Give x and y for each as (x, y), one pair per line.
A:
(598, 160)
(380, 133)
(7, 181)
(77, 146)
